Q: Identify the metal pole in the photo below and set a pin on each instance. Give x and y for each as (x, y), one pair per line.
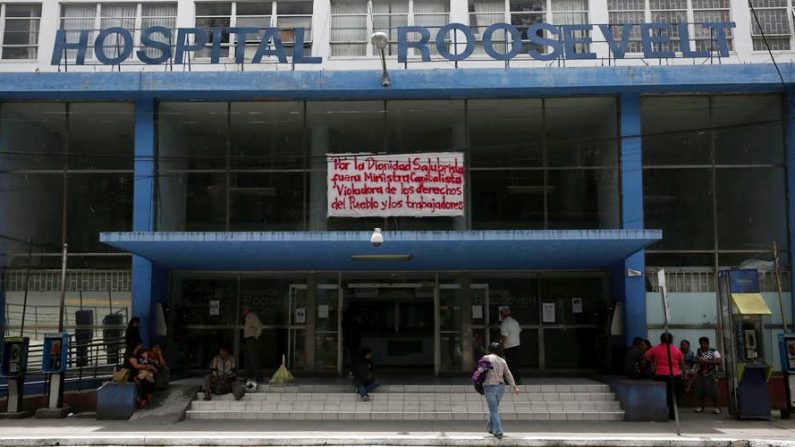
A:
(63, 287)
(27, 280)
(778, 286)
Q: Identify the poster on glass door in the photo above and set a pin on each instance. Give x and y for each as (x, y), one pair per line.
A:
(413, 185)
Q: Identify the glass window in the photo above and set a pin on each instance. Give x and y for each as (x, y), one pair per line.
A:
(676, 130)
(582, 198)
(20, 30)
(97, 203)
(751, 224)
(425, 126)
(267, 135)
(773, 22)
(505, 132)
(353, 21)
(634, 12)
(101, 135)
(748, 129)
(507, 199)
(76, 17)
(581, 132)
(679, 202)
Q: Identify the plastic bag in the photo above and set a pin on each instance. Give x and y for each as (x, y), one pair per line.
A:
(282, 375)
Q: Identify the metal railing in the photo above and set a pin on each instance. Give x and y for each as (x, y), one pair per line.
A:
(694, 280)
(76, 280)
(43, 319)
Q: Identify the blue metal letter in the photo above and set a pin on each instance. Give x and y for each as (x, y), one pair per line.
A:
(570, 40)
(217, 40)
(720, 35)
(618, 49)
(61, 46)
(441, 45)
(684, 43)
(183, 46)
(126, 51)
(264, 47)
(538, 38)
(516, 41)
(422, 44)
(649, 40)
(240, 46)
(298, 50)
(148, 42)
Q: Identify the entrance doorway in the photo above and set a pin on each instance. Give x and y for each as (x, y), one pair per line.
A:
(394, 320)
(417, 324)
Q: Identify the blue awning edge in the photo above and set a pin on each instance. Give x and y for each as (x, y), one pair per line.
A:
(427, 250)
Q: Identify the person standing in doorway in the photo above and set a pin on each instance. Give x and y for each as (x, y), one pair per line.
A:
(494, 387)
(668, 364)
(509, 341)
(252, 329)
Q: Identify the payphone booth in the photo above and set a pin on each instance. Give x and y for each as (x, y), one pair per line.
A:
(747, 366)
(14, 368)
(786, 344)
(54, 361)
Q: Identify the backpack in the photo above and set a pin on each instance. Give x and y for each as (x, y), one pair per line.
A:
(479, 376)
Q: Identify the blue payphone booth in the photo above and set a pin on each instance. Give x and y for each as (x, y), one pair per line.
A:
(786, 345)
(54, 361)
(15, 364)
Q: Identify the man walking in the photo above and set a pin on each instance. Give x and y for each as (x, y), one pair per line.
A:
(252, 329)
(509, 341)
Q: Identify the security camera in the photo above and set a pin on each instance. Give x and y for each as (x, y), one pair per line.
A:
(377, 238)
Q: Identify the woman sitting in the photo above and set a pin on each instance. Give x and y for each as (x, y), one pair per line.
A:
(141, 372)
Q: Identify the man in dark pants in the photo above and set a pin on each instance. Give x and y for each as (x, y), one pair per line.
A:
(509, 340)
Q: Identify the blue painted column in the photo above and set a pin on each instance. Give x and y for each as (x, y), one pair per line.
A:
(790, 147)
(632, 214)
(143, 212)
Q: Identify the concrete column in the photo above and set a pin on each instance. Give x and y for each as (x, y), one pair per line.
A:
(632, 214)
(790, 157)
(460, 144)
(49, 25)
(319, 146)
(143, 196)
(597, 14)
(468, 361)
(321, 29)
(741, 35)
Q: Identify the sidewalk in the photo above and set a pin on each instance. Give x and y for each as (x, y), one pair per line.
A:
(697, 430)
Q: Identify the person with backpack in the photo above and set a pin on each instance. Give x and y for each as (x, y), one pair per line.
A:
(494, 373)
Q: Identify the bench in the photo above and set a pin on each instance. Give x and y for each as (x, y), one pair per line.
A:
(116, 401)
(642, 400)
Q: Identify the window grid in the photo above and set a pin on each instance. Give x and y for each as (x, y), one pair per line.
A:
(284, 15)
(19, 30)
(133, 16)
(353, 21)
(694, 12)
(774, 16)
(522, 14)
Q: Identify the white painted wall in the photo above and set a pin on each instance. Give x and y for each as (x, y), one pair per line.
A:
(50, 22)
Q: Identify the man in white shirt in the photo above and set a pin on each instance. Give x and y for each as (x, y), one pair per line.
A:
(252, 329)
(509, 340)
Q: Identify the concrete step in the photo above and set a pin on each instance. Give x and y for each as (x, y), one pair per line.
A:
(576, 387)
(481, 416)
(378, 404)
(469, 395)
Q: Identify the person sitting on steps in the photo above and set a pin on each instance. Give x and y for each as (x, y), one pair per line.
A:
(223, 376)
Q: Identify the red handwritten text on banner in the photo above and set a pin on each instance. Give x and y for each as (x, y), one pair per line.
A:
(417, 185)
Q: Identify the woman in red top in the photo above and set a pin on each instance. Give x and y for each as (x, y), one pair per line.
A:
(665, 368)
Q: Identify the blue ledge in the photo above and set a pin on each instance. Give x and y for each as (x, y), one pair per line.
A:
(411, 83)
(431, 250)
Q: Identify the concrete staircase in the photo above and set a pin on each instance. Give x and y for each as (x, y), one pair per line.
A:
(563, 399)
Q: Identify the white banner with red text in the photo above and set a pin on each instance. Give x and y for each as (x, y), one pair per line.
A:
(414, 185)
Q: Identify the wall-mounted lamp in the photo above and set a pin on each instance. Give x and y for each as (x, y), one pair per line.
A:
(380, 41)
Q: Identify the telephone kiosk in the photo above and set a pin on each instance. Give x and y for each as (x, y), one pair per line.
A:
(747, 369)
(786, 344)
(15, 364)
(55, 357)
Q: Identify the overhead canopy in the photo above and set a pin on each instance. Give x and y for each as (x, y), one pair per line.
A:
(401, 250)
(750, 304)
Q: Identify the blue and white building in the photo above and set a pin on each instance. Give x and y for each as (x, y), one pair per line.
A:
(179, 148)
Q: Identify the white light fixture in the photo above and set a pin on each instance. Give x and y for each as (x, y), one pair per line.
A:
(632, 273)
(368, 258)
(377, 238)
(380, 41)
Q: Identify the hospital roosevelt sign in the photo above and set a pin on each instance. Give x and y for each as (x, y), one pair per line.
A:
(549, 42)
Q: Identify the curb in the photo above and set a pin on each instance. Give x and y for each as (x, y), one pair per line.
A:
(407, 440)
